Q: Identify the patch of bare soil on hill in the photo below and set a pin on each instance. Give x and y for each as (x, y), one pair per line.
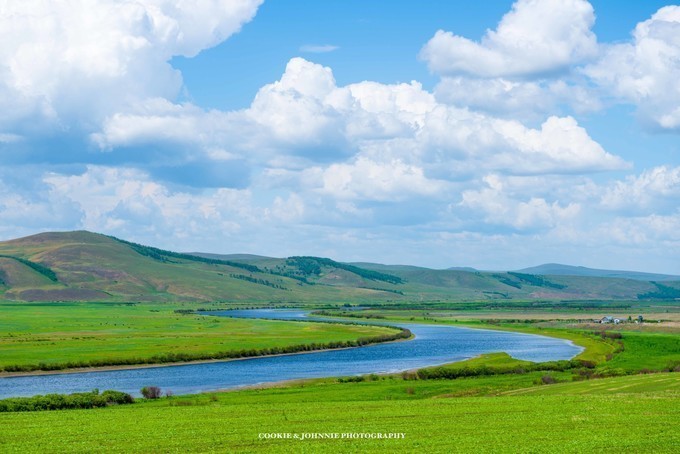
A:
(62, 294)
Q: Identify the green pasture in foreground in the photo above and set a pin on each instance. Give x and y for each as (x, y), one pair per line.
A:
(57, 333)
(667, 384)
(431, 421)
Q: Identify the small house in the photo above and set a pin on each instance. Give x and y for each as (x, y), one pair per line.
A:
(607, 319)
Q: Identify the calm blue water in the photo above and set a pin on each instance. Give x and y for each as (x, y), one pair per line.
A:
(434, 344)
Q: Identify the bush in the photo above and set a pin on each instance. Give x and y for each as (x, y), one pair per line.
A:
(410, 375)
(548, 380)
(65, 401)
(354, 379)
(151, 392)
(117, 397)
(609, 372)
(586, 364)
(545, 380)
(673, 366)
(174, 357)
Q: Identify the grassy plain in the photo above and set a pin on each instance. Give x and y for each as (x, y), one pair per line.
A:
(645, 350)
(60, 333)
(432, 415)
(506, 412)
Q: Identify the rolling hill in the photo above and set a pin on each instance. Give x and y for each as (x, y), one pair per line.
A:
(85, 266)
(556, 269)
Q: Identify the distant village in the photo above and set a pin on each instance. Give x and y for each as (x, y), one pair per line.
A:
(610, 319)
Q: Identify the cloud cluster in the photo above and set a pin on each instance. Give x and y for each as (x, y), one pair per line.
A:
(495, 155)
(536, 37)
(305, 120)
(654, 191)
(526, 68)
(70, 63)
(645, 72)
(543, 57)
(123, 200)
(519, 211)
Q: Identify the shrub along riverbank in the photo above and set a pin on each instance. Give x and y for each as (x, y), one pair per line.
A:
(463, 415)
(177, 357)
(91, 399)
(59, 336)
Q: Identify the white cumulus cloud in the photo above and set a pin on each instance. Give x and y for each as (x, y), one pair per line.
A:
(535, 37)
(75, 61)
(517, 99)
(646, 70)
(501, 206)
(654, 191)
(366, 179)
(305, 118)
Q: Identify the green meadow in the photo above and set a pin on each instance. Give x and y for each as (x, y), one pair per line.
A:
(66, 335)
(616, 396)
(465, 415)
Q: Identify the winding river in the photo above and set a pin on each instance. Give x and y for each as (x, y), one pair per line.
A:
(433, 344)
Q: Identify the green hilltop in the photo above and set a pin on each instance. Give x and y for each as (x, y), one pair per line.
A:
(85, 266)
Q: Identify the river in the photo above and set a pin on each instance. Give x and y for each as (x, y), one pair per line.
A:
(433, 344)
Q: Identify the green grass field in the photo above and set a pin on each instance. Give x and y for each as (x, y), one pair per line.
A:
(570, 417)
(59, 333)
(506, 409)
(644, 350)
(667, 384)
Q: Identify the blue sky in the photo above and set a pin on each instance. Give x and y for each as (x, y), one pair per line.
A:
(377, 40)
(497, 135)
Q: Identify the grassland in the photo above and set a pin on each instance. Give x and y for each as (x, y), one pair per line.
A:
(506, 408)
(63, 335)
(667, 384)
(647, 351)
(432, 415)
(574, 312)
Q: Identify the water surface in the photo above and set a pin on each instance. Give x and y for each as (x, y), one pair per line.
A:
(433, 344)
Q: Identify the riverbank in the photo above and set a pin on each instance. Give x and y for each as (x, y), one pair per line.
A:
(595, 349)
(432, 345)
(47, 337)
(187, 363)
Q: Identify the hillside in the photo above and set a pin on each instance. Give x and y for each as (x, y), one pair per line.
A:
(556, 269)
(85, 266)
(76, 266)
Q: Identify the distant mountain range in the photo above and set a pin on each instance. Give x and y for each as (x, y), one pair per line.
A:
(85, 266)
(556, 269)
